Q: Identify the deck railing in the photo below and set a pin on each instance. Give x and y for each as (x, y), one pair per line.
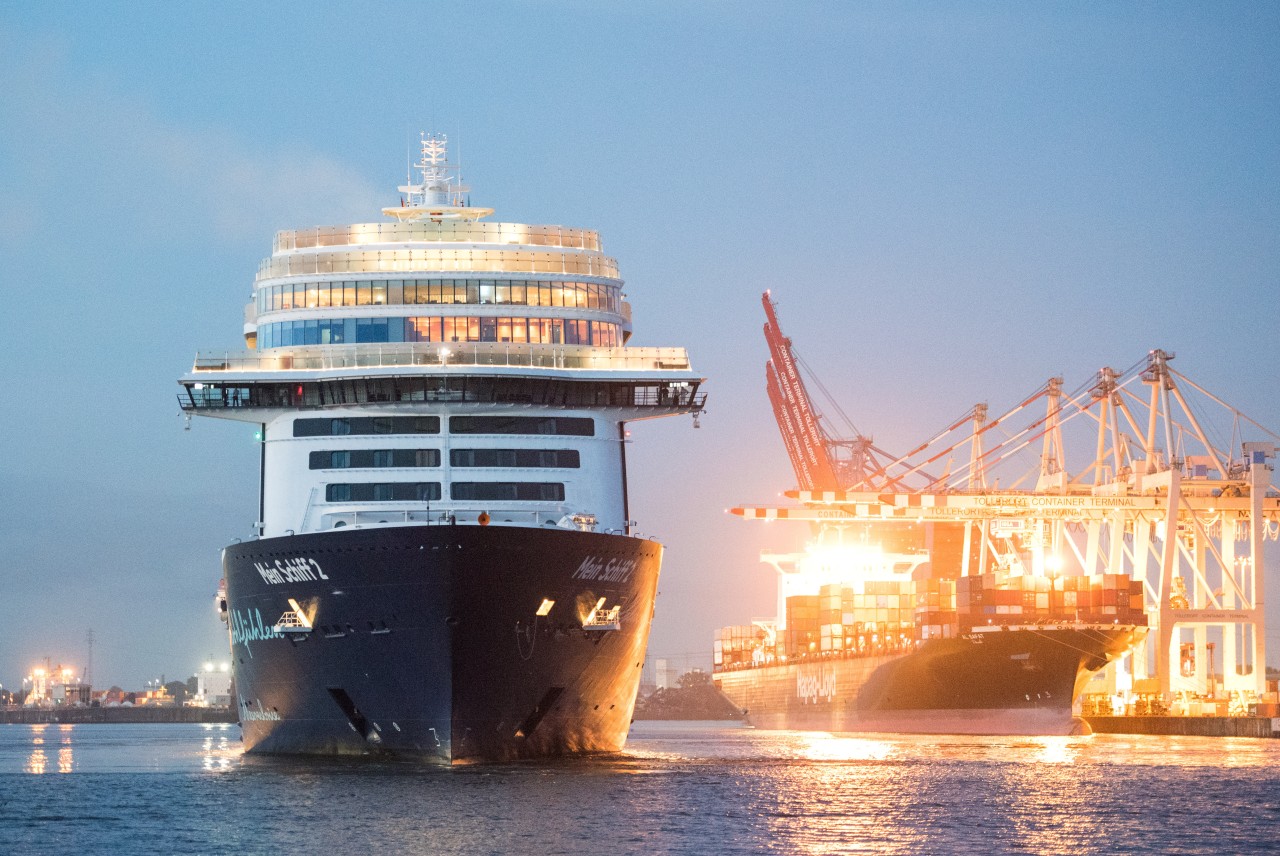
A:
(469, 232)
(444, 356)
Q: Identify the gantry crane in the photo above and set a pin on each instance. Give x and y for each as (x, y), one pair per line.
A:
(1157, 500)
(821, 459)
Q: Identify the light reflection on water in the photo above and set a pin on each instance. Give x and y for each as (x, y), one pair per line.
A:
(821, 746)
(218, 750)
(678, 788)
(66, 756)
(36, 761)
(836, 793)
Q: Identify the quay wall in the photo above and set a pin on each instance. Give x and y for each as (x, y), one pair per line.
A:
(79, 715)
(1199, 726)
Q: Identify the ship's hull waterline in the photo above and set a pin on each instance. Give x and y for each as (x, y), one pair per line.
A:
(1016, 681)
(425, 641)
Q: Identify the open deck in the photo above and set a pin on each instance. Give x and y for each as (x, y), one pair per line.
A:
(442, 355)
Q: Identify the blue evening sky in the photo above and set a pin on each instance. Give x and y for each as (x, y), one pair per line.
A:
(951, 203)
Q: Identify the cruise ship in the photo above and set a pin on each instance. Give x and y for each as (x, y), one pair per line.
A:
(443, 564)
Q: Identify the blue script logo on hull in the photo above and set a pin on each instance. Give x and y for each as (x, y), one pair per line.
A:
(247, 627)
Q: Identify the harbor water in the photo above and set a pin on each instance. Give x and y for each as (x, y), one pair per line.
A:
(700, 788)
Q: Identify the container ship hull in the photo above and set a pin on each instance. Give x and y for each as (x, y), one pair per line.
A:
(1001, 680)
(427, 642)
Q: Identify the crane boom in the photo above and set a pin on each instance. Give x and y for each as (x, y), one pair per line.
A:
(793, 410)
(786, 426)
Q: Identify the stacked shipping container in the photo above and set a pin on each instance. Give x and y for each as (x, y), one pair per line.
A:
(1100, 598)
(883, 617)
(737, 645)
(935, 609)
(864, 616)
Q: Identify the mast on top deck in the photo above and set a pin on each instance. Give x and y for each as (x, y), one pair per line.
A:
(440, 195)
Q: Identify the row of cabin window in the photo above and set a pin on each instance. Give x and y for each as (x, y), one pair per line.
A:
(429, 491)
(568, 426)
(317, 295)
(372, 458)
(538, 331)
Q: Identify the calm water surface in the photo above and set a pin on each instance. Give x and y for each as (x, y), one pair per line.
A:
(678, 788)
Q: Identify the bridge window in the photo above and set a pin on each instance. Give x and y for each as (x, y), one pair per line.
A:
(383, 492)
(560, 425)
(366, 425)
(551, 458)
(374, 458)
(498, 491)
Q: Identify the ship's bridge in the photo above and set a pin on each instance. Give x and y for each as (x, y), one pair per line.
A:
(646, 381)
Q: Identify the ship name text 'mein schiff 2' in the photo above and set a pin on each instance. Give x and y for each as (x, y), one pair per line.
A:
(444, 565)
(976, 584)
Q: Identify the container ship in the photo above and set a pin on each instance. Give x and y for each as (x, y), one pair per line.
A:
(939, 609)
(443, 565)
(984, 654)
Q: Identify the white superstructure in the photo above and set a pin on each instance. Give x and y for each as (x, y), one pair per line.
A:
(440, 369)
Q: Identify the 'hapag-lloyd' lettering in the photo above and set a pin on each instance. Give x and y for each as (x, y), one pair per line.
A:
(290, 571)
(813, 687)
(612, 571)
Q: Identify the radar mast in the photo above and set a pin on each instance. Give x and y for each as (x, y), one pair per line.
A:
(440, 195)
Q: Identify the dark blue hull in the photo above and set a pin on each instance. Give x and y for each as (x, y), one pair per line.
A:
(425, 641)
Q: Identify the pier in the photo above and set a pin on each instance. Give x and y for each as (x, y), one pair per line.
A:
(84, 715)
(1191, 726)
